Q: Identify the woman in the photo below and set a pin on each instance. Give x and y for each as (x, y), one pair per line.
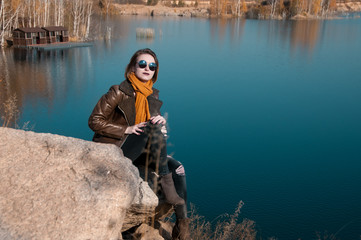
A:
(129, 117)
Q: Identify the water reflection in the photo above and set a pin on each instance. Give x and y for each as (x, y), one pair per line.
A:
(37, 77)
(300, 36)
(22, 78)
(305, 35)
(224, 29)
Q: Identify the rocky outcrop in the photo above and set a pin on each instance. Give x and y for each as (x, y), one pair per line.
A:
(349, 7)
(160, 10)
(56, 187)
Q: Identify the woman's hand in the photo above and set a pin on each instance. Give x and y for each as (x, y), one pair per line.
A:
(158, 120)
(136, 129)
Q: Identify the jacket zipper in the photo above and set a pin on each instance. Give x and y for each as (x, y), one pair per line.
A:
(126, 119)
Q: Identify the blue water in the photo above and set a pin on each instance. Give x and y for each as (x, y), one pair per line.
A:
(268, 112)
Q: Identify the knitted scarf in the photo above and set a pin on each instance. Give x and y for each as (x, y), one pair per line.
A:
(142, 90)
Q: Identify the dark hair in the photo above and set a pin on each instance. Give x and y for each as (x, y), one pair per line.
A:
(133, 62)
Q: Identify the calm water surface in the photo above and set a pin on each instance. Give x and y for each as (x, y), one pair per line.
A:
(268, 112)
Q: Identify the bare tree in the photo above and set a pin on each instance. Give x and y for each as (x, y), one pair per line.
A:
(89, 13)
(106, 4)
(274, 4)
(238, 8)
(7, 19)
(33, 9)
(81, 11)
(46, 10)
(58, 6)
(216, 7)
(76, 12)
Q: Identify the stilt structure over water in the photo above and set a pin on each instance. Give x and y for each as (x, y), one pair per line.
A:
(24, 37)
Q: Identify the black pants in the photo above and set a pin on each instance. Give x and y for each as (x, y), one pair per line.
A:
(150, 144)
(136, 148)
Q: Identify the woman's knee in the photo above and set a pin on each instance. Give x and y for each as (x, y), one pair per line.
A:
(175, 166)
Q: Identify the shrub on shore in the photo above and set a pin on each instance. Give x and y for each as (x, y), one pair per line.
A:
(9, 111)
(9, 114)
(226, 227)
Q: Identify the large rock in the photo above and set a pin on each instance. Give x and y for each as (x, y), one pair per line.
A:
(56, 187)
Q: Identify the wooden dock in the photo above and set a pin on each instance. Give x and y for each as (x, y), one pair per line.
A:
(55, 46)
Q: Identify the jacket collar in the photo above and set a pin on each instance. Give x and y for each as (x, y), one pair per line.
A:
(127, 88)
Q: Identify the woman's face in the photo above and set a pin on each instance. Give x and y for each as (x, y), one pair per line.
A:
(142, 71)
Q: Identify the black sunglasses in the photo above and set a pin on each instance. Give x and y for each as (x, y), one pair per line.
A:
(143, 64)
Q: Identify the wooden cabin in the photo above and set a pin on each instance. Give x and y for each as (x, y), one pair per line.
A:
(56, 34)
(23, 37)
(28, 36)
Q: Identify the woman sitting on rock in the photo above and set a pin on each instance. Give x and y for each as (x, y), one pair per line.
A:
(128, 115)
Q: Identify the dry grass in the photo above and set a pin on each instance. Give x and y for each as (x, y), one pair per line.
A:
(325, 236)
(226, 228)
(10, 112)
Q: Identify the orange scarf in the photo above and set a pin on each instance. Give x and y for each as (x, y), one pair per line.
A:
(142, 90)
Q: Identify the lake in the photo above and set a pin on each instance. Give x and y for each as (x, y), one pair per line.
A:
(267, 112)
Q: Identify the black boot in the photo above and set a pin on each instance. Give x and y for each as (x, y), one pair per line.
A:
(170, 193)
(181, 230)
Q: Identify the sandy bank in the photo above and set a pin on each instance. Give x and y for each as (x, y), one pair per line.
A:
(160, 10)
(349, 7)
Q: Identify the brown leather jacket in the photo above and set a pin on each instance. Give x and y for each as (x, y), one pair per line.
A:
(115, 111)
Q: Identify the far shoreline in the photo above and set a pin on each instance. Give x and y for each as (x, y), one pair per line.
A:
(204, 12)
